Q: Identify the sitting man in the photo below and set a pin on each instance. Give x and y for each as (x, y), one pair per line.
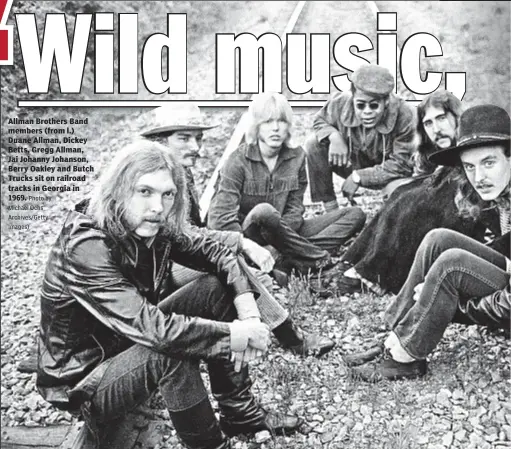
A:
(181, 128)
(366, 136)
(454, 277)
(383, 253)
(114, 329)
(260, 193)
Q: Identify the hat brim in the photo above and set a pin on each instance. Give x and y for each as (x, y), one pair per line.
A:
(162, 130)
(450, 156)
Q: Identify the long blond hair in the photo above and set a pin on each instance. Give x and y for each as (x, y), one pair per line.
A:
(110, 197)
(264, 107)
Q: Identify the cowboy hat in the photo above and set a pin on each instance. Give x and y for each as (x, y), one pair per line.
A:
(480, 125)
(176, 117)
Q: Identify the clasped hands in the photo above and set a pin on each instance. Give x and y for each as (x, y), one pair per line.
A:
(258, 341)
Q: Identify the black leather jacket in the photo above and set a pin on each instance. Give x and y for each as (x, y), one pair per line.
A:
(492, 310)
(96, 300)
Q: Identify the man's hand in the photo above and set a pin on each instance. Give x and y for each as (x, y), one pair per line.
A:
(337, 151)
(259, 255)
(349, 188)
(417, 291)
(240, 359)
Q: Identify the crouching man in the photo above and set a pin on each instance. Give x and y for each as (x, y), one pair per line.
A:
(113, 329)
(455, 278)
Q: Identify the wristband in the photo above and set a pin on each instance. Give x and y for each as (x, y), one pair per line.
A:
(355, 177)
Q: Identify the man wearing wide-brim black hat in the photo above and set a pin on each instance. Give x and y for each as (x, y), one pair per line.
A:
(456, 278)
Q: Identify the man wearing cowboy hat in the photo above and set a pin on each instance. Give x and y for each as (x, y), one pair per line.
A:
(180, 127)
(454, 277)
(366, 136)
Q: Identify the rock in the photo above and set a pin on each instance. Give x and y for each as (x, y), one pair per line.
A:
(358, 427)
(365, 410)
(460, 435)
(458, 395)
(422, 439)
(318, 418)
(443, 396)
(261, 437)
(447, 439)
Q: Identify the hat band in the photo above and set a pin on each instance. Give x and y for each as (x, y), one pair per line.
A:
(496, 136)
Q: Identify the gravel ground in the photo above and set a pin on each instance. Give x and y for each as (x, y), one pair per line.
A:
(463, 402)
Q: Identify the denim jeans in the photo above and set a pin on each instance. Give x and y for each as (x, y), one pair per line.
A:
(453, 268)
(314, 240)
(272, 313)
(134, 374)
(321, 172)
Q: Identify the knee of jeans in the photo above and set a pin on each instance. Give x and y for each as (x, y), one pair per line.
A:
(175, 367)
(264, 214)
(311, 144)
(434, 237)
(359, 218)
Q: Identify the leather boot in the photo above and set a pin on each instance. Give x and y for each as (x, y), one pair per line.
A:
(198, 427)
(240, 413)
(299, 342)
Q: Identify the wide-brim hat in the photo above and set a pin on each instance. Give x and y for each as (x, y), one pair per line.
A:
(480, 125)
(176, 117)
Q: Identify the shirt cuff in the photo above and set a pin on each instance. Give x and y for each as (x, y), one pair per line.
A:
(246, 306)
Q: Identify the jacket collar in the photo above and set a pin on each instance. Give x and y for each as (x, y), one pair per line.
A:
(253, 153)
(128, 249)
(386, 124)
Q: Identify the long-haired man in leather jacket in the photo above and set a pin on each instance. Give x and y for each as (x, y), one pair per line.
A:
(114, 328)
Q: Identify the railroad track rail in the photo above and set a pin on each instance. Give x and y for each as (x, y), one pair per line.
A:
(141, 429)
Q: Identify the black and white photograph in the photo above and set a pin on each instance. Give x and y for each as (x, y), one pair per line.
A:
(255, 224)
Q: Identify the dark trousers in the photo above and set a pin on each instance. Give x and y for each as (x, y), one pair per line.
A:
(314, 240)
(320, 171)
(132, 376)
(453, 268)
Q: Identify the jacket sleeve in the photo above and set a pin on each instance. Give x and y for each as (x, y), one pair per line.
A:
(326, 119)
(232, 239)
(294, 208)
(200, 252)
(97, 283)
(225, 205)
(502, 244)
(492, 310)
(398, 163)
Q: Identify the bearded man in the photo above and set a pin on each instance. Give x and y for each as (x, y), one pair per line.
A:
(114, 328)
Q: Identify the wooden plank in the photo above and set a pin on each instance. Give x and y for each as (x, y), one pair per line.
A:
(29, 365)
(34, 437)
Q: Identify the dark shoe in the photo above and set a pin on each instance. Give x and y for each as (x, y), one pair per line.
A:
(389, 369)
(274, 422)
(345, 285)
(299, 342)
(363, 357)
(313, 344)
(281, 278)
